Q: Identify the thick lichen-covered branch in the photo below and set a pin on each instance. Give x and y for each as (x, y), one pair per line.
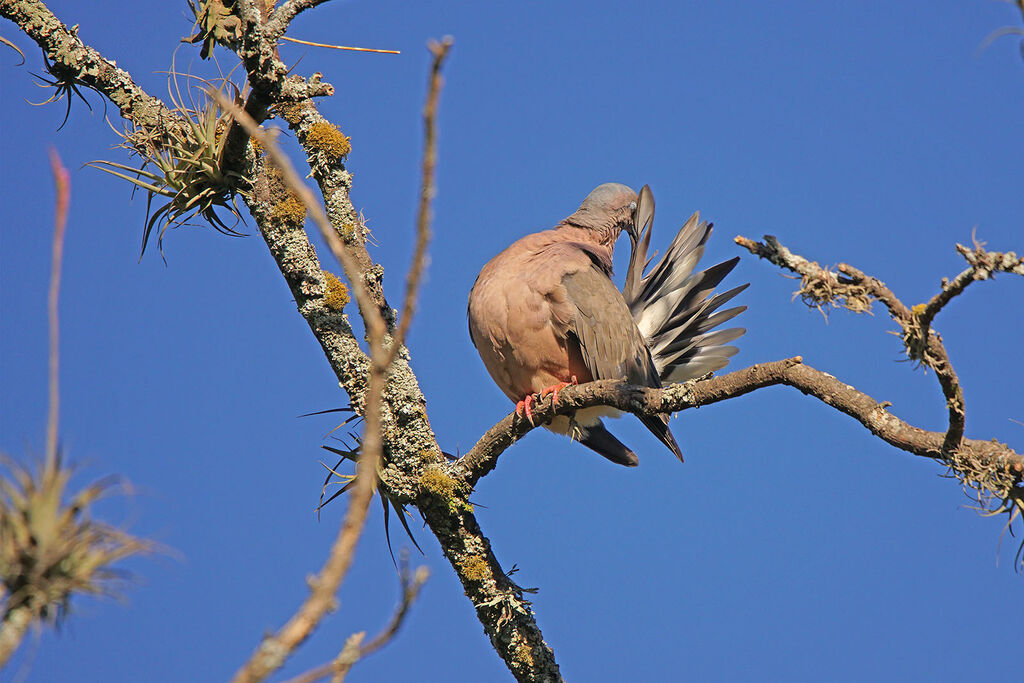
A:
(268, 76)
(74, 60)
(282, 17)
(410, 449)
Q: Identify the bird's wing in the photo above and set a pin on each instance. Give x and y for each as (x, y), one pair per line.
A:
(610, 345)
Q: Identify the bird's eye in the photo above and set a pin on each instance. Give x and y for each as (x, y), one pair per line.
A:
(632, 206)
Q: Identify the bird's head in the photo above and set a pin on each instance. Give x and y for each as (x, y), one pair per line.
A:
(608, 209)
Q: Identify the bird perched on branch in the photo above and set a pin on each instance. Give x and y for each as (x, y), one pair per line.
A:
(544, 313)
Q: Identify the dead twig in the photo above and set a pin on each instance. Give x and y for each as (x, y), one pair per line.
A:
(275, 649)
(427, 189)
(410, 590)
(272, 653)
(63, 185)
(339, 47)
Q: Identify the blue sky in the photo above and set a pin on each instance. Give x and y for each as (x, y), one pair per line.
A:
(791, 545)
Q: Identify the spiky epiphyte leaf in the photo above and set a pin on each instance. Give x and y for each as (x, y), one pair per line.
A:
(183, 165)
(13, 47)
(50, 548)
(346, 481)
(64, 86)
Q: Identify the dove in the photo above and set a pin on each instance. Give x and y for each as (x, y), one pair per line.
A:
(545, 313)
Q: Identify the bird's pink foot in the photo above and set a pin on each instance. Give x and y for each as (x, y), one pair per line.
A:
(524, 407)
(555, 388)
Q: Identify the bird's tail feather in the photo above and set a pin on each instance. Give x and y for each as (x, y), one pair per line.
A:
(673, 306)
(659, 427)
(599, 439)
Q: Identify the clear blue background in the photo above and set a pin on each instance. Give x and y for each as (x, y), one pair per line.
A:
(791, 545)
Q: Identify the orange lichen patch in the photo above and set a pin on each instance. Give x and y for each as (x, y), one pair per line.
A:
(291, 211)
(474, 568)
(327, 141)
(337, 296)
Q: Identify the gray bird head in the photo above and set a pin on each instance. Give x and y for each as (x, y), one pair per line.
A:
(608, 209)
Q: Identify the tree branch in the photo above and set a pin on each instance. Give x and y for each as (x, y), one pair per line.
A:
(71, 58)
(410, 590)
(982, 455)
(412, 454)
(427, 189)
(855, 291)
(267, 75)
(282, 17)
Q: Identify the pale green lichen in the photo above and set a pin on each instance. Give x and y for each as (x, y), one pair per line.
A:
(439, 483)
(446, 488)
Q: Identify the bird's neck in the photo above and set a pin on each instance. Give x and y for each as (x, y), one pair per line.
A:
(603, 236)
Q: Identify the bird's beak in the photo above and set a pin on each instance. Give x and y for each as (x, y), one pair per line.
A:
(632, 227)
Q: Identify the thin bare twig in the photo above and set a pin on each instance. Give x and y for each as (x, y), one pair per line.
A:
(339, 47)
(427, 189)
(272, 653)
(62, 181)
(410, 590)
(275, 649)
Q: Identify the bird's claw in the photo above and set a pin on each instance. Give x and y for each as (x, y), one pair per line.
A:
(523, 407)
(555, 388)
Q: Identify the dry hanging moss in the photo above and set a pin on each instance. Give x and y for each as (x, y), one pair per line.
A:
(822, 287)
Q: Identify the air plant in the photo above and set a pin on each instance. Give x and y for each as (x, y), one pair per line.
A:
(182, 164)
(347, 481)
(64, 86)
(50, 549)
